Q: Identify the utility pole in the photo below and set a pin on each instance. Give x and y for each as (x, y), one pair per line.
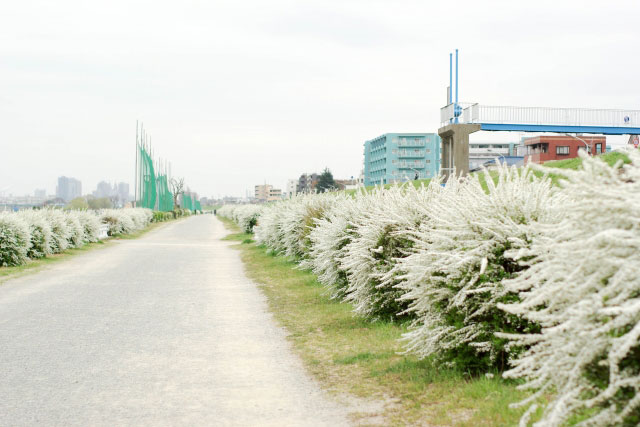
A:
(135, 180)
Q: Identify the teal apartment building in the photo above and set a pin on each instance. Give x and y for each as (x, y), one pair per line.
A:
(397, 157)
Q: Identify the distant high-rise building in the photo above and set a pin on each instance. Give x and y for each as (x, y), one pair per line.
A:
(104, 189)
(40, 193)
(123, 192)
(68, 188)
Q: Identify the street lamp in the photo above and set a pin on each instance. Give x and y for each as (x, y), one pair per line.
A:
(581, 140)
(416, 171)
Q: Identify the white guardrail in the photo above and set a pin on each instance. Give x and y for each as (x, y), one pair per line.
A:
(476, 113)
(104, 231)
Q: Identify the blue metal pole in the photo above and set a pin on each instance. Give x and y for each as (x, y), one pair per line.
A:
(450, 100)
(455, 106)
(456, 76)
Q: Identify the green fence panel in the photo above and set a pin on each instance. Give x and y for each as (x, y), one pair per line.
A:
(148, 191)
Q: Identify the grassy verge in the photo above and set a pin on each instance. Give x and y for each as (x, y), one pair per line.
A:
(35, 265)
(351, 356)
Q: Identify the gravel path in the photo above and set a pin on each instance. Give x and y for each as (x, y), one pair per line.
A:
(162, 330)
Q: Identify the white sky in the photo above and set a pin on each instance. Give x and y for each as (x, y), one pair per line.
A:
(235, 93)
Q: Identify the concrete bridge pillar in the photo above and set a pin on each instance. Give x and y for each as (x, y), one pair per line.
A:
(455, 148)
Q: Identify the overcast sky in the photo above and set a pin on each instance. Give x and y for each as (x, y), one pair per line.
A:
(236, 93)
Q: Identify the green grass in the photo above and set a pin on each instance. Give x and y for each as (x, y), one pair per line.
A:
(211, 208)
(576, 163)
(36, 265)
(352, 356)
(416, 183)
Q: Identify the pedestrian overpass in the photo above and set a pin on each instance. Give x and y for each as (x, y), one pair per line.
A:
(458, 120)
(543, 119)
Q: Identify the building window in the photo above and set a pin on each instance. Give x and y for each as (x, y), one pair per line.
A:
(428, 161)
(562, 150)
(598, 148)
(428, 150)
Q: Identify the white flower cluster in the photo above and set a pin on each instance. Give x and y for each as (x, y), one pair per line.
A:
(38, 233)
(246, 216)
(285, 227)
(583, 288)
(499, 270)
(125, 221)
(453, 276)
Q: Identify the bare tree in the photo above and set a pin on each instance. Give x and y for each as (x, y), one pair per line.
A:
(177, 188)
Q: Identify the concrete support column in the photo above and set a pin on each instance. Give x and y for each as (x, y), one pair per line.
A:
(455, 148)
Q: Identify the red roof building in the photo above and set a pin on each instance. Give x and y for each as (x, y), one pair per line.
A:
(544, 148)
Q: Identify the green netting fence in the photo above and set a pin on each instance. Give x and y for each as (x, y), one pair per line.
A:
(187, 202)
(165, 198)
(153, 190)
(147, 179)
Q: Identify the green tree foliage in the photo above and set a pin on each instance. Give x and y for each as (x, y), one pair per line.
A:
(79, 203)
(325, 181)
(101, 203)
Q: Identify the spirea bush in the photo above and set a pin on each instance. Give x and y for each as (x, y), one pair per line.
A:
(76, 230)
(329, 240)
(453, 278)
(582, 286)
(60, 233)
(126, 221)
(269, 231)
(141, 217)
(118, 222)
(90, 225)
(246, 216)
(15, 240)
(40, 232)
(381, 237)
(284, 227)
(51, 231)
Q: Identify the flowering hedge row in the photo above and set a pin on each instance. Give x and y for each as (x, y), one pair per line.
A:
(38, 233)
(495, 271)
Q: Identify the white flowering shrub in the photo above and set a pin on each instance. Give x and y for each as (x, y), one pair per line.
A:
(461, 255)
(125, 221)
(40, 232)
(268, 231)
(14, 240)
(90, 224)
(119, 221)
(583, 287)
(284, 227)
(225, 211)
(76, 230)
(246, 216)
(50, 231)
(141, 217)
(60, 232)
(329, 239)
(381, 236)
